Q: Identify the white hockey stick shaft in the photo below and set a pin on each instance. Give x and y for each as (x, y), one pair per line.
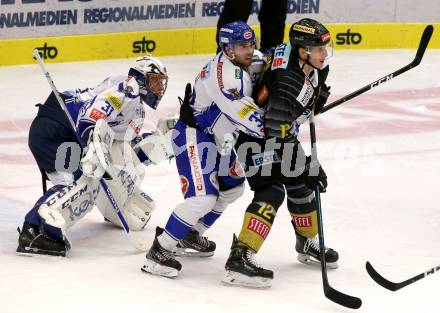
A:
(137, 243)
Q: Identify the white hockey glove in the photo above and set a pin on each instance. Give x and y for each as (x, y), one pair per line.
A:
(167, 123)
(157, 147)
(96, 160)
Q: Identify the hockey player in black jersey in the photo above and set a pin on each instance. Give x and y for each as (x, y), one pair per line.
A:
(291, 86)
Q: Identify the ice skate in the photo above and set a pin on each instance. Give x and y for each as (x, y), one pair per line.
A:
(242, 269)
(33, 241)
(195, 245)
(160, 261)
(308, 252)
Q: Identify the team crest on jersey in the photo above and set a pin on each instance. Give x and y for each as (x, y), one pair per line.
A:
(235, 93)
(184, 185)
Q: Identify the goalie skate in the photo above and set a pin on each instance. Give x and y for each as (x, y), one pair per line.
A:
(32, 241)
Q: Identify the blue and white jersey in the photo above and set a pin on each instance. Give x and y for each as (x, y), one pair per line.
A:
(221, 98)
(116, 100)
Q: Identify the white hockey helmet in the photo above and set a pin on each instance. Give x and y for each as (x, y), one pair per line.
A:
(152, 79)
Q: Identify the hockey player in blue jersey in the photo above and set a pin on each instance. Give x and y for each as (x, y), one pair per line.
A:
(114, 109)
(203, 139)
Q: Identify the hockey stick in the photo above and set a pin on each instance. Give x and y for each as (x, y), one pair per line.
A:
(137, 242)
(331, 293)
(43, 180)
(426, 36)
(396, 286)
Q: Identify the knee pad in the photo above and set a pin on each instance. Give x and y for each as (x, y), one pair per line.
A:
(187, 214)
(273, 194)
(194, 208)
(228, 196)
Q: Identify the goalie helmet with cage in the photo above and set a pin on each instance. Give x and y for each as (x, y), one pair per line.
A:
(236, 33)
(152, 79)
(312, 36)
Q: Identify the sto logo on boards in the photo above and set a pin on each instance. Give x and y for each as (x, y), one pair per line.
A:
(47, 52)
(144, 45)
(348, 38)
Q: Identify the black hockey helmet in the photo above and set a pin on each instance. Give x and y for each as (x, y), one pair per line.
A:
(308, 32)
(310, 35)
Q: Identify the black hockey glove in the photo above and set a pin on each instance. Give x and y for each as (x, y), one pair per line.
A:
(311, 179)
(186, 112)
(324, 93)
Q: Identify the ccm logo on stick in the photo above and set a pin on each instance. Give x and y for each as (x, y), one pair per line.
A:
(348, 38)
(382, 80)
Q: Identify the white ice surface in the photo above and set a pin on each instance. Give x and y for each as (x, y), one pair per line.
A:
(381, 152)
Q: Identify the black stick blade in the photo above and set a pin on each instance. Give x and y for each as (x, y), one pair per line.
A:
(380, 279)
(342, 298)
(426, 37)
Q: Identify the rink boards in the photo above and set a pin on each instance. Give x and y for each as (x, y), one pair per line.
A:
(187, 41)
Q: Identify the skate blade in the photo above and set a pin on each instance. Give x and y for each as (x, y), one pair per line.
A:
(154, 268)
(238, 279)
(308, 260)
(32, 252)
(184, 252)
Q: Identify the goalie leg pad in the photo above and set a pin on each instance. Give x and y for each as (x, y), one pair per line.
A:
(67, 206)
(136, 205)
(137, 210)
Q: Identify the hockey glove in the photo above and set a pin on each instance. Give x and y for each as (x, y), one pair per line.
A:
(314, 176)
(324, 93)
(186, 112)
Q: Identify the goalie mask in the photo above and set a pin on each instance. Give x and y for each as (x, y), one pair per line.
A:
(151, 76)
